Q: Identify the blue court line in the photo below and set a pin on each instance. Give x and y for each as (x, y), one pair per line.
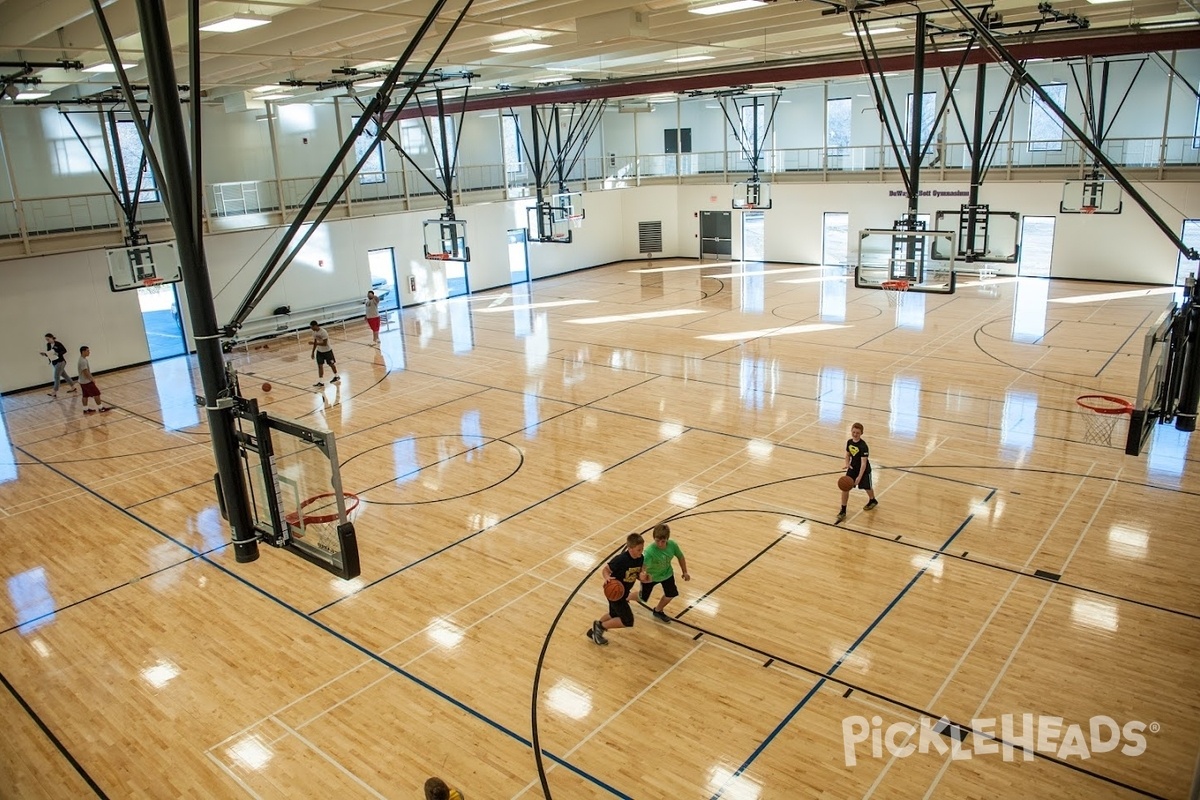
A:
(371, 655)
(791, 714)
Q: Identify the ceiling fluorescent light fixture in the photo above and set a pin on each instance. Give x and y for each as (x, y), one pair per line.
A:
(373, 65)
(271, 87)
(551, 79)
(274, 97)
(877, 31)
(31, 95)
(1157, 26)
(662, 98)
(1102, 2)
(727, 6)
(520, 48)
(107, 67)
(508, 36)
(369, 85)
(686, 59)
(235, 23)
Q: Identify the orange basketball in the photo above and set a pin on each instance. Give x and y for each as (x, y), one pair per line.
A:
(614, 589)
(266, 387)
(845, 483)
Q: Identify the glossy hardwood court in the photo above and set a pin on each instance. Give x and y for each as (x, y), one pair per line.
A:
(504, 445)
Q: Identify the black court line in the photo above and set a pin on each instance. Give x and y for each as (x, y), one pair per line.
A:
(737, 571)
(49, 734)
(482, 531)
(353, 644)
(828, 677)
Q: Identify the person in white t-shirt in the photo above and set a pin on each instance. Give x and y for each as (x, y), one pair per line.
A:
(322, 351)
(372, 304)
(88, 383)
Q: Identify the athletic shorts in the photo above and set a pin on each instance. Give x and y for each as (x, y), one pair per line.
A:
(865, 483)
(620, 609)
(90, 389)
(669, 588)
(325, 358)
(373, 324)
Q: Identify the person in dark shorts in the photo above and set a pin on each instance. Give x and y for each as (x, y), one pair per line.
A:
(657, 558)
(322, 351)
(88, 383)
(858, 468)
(626, 568)
(56, 353)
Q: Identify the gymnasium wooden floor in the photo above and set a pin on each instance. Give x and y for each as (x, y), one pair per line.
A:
(140, 660)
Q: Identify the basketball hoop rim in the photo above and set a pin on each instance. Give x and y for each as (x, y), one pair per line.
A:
(894, 286)
(1087, 209)
(1088, 401)
(293, 518)
(152, 281)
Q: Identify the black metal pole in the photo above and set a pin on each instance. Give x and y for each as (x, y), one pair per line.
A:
(917, 132)
(176, 181)
(1112, 169)
(1189, 388)
(976, 146)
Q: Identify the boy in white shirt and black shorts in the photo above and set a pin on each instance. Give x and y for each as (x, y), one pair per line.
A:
(322, 351)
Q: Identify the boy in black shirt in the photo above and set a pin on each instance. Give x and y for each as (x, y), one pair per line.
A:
(858, 467)
(626, 568)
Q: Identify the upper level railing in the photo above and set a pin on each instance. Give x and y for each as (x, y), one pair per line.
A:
(42, 216)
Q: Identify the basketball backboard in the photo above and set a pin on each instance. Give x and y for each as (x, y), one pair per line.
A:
(446, 240)
(1091, 196)
(295, 488)
(567, 206)
(143, 265)
(1001, 234)
(548, 223)
(903, 255)
(751, 195)
(1155, 395)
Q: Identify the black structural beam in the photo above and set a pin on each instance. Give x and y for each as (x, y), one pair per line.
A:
(293, 241)
(1112, 169)
(177, 180)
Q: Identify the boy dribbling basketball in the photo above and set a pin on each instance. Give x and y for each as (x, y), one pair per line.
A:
(858, 468)
(626, 567)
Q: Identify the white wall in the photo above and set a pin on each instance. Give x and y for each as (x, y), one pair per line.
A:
(68, 294)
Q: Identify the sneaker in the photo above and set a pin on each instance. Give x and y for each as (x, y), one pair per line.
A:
(89, 411)
(661, 616)
(336, 379)
(106, 408)
(596, 634)
(318, 385)
(52, 394)
(841, 516)
(871, 504)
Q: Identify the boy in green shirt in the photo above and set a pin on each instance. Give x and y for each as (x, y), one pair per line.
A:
(658, 570)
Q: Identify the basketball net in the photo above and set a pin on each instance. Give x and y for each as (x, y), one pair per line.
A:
(1088, 209)
(1101, 414)
(894, 290)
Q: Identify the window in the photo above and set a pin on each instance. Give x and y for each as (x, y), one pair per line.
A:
(510, 135)
(1196, 130)
(928, 114)
(1191, 237)
(1045, 129)
(837, 125)
(754, 129)
(677, 140)
(435, 130)
(372, 169)
(130, 145)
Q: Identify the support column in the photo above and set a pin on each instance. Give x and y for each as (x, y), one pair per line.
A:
(177, 179)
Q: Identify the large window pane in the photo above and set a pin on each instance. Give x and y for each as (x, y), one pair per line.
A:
(928, 112)
(1045, 128)
(837, 125)
(510, 132)
(754, 130)
(131, 162)
(372, 169)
